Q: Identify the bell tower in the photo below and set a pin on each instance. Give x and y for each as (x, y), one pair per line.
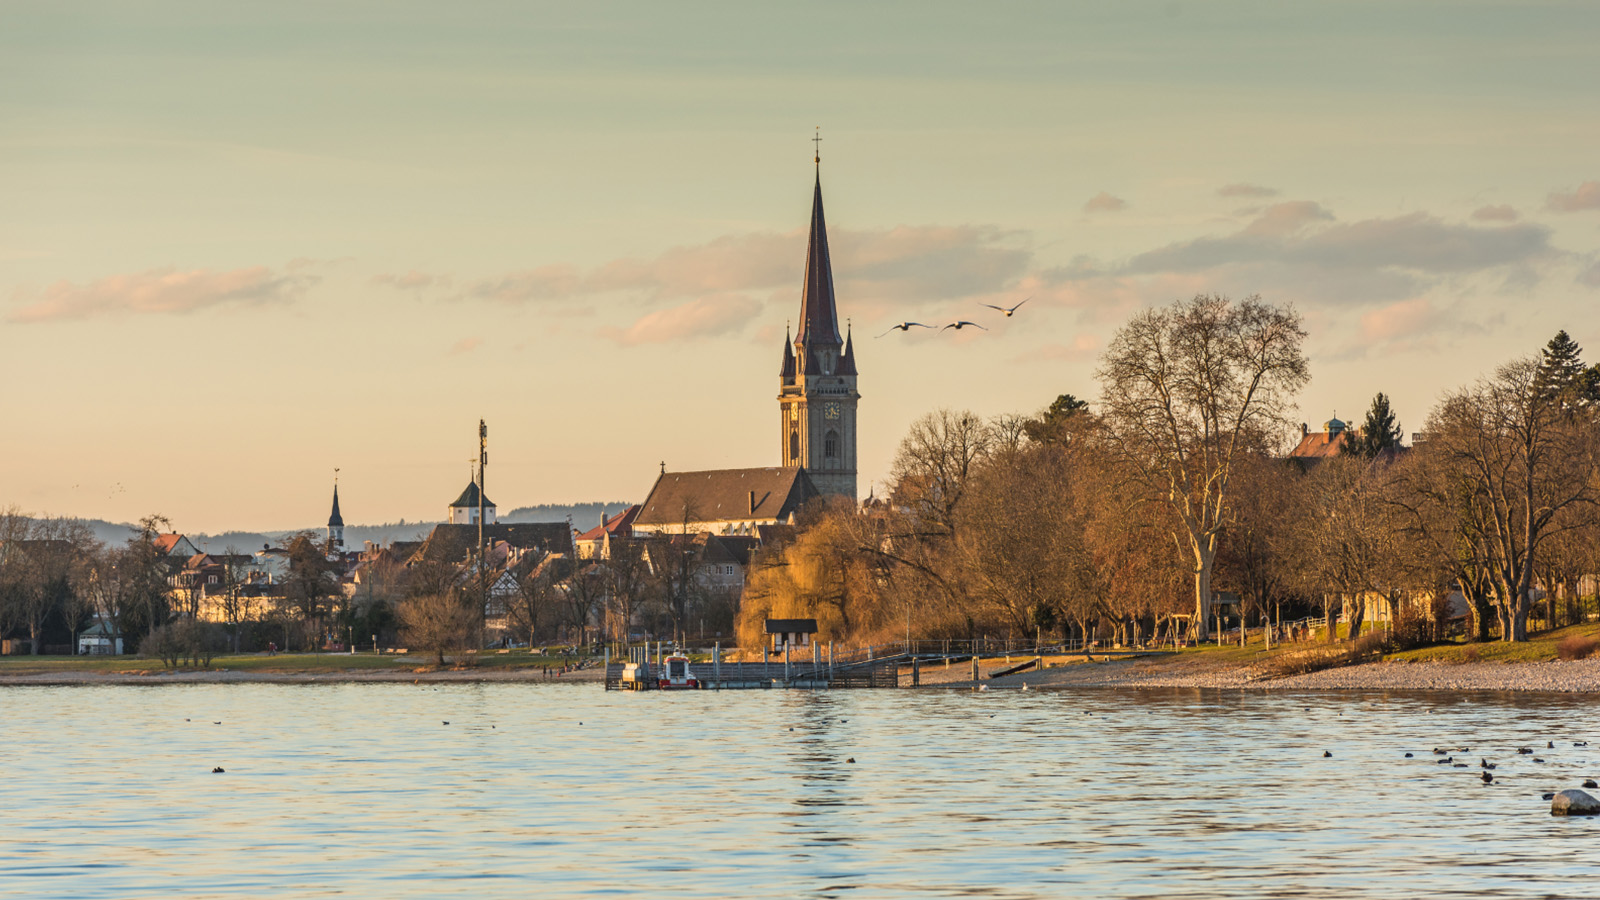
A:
(817, 383)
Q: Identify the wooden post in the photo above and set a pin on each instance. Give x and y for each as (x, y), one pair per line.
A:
(765, 675)
(816, 661)
(716, 662)
(830, 662)
(974, 668)
(786, 675)
(916, 671)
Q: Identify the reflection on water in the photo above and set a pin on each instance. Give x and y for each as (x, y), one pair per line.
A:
(549, 790)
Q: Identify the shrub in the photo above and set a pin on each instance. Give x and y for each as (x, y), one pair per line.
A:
(184, 642)
(1578, 646)
(1413, 628)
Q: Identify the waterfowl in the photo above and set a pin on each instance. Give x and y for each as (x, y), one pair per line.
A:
(1487, 778)
(217, 770)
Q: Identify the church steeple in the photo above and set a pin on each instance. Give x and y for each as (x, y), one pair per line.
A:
(336, 521)
(819, 320)
(817, 386)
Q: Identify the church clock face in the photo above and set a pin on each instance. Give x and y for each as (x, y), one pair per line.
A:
(832, 411)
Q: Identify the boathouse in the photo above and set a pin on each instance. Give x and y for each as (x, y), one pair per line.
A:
(790, 633)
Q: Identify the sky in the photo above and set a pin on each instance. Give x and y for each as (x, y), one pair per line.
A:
(243, 245)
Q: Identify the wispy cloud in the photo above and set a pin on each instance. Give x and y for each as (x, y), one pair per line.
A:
(1586, 196)
(1084, 346)
(1502, 213)
(166, 291)
(1104, 202)
(702, 318)
(465, 345)
(411, 281)
(1246, 190)
(1284, 233)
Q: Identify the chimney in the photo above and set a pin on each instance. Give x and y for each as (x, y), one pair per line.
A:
(1304, 430)
(752, 503)
(603, 519)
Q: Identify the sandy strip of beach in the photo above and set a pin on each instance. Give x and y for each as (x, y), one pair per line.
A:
(1195, 671)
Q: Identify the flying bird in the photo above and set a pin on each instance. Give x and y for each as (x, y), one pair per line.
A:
(1005, 310)
(960, 325)
(905, 326)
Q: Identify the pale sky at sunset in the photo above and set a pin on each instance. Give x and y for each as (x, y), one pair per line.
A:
(241, 246)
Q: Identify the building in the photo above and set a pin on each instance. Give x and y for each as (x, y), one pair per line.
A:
(786, 633)
(817, 381)
(596, 542)
(723, 501)
(464, 511)
(1324, 444)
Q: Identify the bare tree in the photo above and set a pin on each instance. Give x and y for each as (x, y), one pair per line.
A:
(439, 623)
(1518, 469)
(1187, 389)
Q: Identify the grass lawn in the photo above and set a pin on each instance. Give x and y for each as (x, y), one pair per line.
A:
(1538, 648)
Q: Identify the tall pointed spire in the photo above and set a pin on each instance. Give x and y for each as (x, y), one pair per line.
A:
(335, 520)
(819, 320)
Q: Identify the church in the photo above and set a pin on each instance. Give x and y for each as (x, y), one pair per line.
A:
(816, 425)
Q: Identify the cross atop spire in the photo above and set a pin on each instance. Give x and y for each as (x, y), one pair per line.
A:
(817, 143)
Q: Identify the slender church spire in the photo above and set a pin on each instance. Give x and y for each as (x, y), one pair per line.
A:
(335, 520)
(819, 319)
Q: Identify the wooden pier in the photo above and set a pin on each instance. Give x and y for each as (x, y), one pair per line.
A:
(871, 667)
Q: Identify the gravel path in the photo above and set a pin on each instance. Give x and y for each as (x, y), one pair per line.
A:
(1193, 671)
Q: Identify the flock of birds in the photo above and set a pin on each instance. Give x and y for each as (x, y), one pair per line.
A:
(1449, 759)
(959, 324)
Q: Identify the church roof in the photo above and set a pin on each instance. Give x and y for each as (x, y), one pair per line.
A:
(819, 320)
(455, 543)
(336, 520)
(725, 495)
(469, 497)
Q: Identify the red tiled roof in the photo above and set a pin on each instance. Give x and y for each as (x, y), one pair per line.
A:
(619, 525)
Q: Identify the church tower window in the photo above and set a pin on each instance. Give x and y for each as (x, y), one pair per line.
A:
(794, 445)
(830, 445)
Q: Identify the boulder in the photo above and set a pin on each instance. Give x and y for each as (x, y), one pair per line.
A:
(1574, 803)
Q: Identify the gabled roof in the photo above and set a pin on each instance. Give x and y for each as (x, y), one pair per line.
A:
(469, 497)
(819, 321)
(455, 543)
(620, 525)
(724, 495)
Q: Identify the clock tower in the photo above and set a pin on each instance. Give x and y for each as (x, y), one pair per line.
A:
(817, 384)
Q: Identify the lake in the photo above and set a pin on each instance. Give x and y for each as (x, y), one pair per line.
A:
(536, 790)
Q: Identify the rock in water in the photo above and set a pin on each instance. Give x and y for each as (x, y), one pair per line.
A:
(1574, 803)
(1590, 783)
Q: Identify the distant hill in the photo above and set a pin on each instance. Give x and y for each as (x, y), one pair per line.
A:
(584, 516)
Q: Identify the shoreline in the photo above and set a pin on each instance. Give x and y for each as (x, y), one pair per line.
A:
(1135, 672)
(354, 676)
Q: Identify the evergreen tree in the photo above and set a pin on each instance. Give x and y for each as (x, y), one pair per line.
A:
(1379, 433)
(1051, 426)
(1562, 377)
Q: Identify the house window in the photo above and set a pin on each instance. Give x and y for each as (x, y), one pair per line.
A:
(830, 445)
(211, 579)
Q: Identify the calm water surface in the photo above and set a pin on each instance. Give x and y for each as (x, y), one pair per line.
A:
(550, 791)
